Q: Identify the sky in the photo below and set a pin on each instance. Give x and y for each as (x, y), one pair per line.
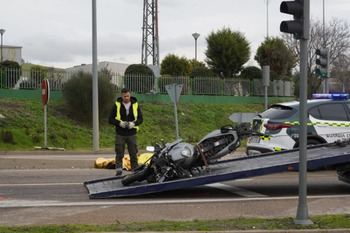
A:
(58, 33)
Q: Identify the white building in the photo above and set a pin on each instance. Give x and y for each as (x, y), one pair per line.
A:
(114, 67)
(11, 53)
(117, 70)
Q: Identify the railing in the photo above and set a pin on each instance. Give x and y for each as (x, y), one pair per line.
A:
(31, 79)
(208, 86)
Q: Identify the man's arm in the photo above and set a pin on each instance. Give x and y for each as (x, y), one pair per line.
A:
(112, 115)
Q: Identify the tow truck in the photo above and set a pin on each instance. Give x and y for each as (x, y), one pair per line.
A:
(335, 154)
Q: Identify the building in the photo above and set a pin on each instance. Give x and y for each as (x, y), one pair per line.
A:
(12, 53)
(117, 70)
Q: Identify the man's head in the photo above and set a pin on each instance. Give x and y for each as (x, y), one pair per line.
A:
(125, 95)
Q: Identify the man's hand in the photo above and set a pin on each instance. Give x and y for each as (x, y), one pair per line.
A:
(123, 124)
(131, 125)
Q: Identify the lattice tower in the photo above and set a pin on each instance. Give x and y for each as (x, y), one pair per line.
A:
(150, 38)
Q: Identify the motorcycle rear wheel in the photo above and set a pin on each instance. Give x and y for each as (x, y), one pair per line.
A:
(138, 176)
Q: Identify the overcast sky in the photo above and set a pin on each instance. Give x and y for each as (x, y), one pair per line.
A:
(58, 33)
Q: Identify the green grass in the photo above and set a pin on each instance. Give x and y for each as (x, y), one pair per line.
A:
(23, 127)
(319, 222)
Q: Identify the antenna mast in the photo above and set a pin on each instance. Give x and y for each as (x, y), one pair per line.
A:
(150, 36)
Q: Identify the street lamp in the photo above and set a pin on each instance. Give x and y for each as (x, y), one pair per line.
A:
(2, 31)
(195, 36)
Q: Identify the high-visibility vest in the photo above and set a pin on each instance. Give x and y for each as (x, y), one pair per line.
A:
(134, 110)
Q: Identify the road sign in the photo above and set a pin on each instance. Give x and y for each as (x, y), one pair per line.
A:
(45, 91)
(174, 91)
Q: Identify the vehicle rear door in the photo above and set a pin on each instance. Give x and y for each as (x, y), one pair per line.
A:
(331, 121)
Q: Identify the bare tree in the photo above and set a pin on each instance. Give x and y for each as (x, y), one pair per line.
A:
(340, 74)
(335, 36)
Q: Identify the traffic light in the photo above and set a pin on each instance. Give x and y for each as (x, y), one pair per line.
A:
(298, 27)
(323, 62)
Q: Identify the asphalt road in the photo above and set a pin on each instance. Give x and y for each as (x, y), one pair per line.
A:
(47, 188)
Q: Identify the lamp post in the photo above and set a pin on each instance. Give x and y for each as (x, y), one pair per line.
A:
(2, 31)
(195, 36)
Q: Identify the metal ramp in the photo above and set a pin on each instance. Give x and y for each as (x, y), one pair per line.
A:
(318, 156)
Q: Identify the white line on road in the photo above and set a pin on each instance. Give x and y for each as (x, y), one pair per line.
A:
(11, 203)
(236, 190)
(41, 184)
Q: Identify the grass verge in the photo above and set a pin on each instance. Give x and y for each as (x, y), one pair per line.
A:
(319, 222)
(23, 125)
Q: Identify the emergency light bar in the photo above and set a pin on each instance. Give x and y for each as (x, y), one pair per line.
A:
(334, 96)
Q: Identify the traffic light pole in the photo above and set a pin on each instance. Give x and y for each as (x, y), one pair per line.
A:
(302, 213)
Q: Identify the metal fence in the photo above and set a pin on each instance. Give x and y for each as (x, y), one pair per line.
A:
(11, 78)
(31, 79)
(208, 86)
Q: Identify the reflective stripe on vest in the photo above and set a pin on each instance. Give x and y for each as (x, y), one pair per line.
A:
(134, 110)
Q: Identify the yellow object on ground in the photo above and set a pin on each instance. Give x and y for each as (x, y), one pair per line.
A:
(110, 163)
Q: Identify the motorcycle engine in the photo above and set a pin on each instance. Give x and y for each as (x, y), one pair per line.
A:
(183, 154)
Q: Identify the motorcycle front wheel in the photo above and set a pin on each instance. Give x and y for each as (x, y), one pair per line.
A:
(137, 176)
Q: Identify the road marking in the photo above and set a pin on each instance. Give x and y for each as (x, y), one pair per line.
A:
(42, 184)
(11, 203)
(236, 190)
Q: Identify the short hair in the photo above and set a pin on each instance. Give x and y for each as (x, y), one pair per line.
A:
(125, 90)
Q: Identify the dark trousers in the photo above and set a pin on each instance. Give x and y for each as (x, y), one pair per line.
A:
(131, 142)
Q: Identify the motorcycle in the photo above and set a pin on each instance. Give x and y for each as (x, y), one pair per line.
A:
(179, 159)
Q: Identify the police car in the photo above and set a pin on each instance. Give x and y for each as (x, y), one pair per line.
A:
(277, 128)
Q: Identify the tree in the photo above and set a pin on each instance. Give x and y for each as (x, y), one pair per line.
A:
(251, 72)
(274, 53)
(175, 66)
(336, 37)
(341, 74)
(227, 52)
(138, 69)
(194, 63)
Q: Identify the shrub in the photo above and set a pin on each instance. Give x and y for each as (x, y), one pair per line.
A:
(78, 96)
(133, 72)
(7, 137)
(201, 72)
(138, 69)
(9, 74)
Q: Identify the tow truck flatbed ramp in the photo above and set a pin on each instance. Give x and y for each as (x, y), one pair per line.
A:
(225, 170)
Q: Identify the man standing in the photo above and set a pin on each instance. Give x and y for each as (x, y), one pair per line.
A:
(126, 115)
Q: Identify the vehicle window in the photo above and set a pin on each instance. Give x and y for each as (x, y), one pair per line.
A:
(278, 112)
(315, 113)
(332, 111)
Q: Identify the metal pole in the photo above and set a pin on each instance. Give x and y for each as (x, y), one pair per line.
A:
(45, 125)
(176, 123)
(94, 81)
(267, 17)
(302, 213)
(325, 81)
(195, 36)
(266, 83)
(2, 31)
(195, 42)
